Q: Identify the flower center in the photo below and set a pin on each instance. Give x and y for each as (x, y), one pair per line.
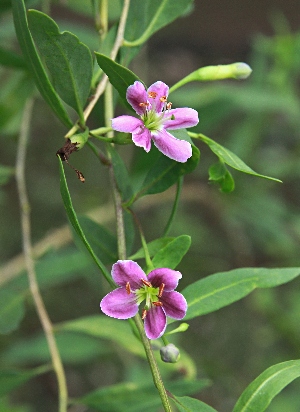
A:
(152, 119)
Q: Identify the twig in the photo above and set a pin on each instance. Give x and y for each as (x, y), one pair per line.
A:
(29, 263)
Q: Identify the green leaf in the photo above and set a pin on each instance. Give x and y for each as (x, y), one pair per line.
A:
(171, 255)
(153, 247)
(34, 63)
(130, 396)
(119, 76)
(69, 61)
(75, 223)
(187, 404)
(10, 59)
(259, 394)
(219, 174)
(165, 172)
(148, 16)
(106, 328)
(221, 289)
(74, 348)
(6, 173)
(231, 159)
(121, 174)
(12, 310)
(12, 379)
(103, 243)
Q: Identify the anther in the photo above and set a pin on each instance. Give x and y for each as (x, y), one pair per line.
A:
(144, 104)
(144, 313)
(163, 99)
(169, 105)
(161, 289)
(128, 290)
(146, 283)
(158, 303)
(152, 95)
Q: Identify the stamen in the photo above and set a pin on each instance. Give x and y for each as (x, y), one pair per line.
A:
(146, 283)
(128, 290)
(144, 313)
(158, 303)
(144, 104)
(169, 105)
(163, 99)
(152, 95)
(161, 289)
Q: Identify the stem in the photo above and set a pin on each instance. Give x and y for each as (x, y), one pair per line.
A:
(153, 365)
(102, 84)
(175, 206)
(29, 263)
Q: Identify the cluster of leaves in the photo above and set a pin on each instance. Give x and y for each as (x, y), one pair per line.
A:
(68, 78)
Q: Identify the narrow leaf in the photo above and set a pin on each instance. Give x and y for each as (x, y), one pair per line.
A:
(119, 76)
(75, 223)
(231, 159)
(103, 243)
(130, 396)
(106, 328)
(12, 310)
(12, 379)
(6, 173)
(34, 63)
(11, 59)
(69, 61)
(187, 404)
(121, 174)
(221, 289)
(171, 255)
(259, 394)
(153, 247)
(147, 17)
(165, 172)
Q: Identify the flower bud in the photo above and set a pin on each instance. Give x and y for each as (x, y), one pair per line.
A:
(169, 353)
(80, 139)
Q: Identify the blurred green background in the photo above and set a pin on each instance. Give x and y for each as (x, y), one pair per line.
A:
(256, 225)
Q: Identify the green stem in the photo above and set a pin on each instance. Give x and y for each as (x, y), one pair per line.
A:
(175, 206)
(29, 262)
(153, 365)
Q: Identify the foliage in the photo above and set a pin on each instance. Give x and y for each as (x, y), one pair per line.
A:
(248, 222)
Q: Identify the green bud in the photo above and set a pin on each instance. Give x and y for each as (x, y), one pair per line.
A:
(210, 73)
(169, 353)
(80, 139)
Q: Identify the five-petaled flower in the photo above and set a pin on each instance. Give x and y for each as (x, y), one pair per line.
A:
(157, 289)
(156, 117)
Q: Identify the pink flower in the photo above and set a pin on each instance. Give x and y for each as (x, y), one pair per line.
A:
(157, 289)
(156, 117)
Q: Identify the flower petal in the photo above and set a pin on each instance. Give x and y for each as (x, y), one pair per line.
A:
(181, 118)
(142, 139)
(161, 90)
(155, 322)
(119, 304)
(167, 276)
(128, 271)
(175, 149)
(127, 124)
(135, 95)
(174, 304)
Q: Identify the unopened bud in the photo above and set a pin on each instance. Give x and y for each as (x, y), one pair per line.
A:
(80, 139)
(210, 73)
(169, 353)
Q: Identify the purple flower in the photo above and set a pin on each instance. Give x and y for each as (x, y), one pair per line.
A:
(156, 117)
(157, 289)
